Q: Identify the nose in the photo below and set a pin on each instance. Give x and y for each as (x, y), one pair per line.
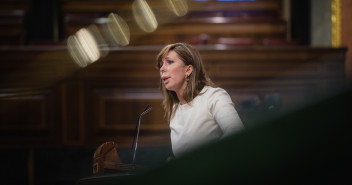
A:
(162, 69)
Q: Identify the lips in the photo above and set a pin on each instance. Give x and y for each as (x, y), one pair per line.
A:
(165, 79)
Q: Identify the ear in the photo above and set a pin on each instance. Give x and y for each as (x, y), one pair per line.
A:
(189, 70)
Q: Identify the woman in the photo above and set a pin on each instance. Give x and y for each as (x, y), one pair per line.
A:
(197, 111)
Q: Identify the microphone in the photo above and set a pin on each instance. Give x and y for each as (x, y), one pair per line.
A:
(135, 139)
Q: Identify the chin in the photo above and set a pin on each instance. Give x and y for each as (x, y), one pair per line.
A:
(168, 88)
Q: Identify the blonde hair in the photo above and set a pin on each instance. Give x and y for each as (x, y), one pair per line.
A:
(197, 79)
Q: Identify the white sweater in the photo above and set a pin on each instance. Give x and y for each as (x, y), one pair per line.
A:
(210, 116)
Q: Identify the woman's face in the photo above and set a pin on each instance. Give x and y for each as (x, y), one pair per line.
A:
(173, 71)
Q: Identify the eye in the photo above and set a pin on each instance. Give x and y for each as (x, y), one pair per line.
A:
(170, 61)
(161, 64)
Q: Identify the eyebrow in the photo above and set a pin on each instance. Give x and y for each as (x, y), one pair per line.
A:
(168, 58)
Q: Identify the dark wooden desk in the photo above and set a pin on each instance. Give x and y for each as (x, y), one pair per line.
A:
(116, 178)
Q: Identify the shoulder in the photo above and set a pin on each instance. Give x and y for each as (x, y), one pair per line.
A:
(215, 95)
(216, 99)
(214, 91)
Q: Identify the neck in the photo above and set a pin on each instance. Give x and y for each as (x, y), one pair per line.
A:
(182, 101)
(180, 95)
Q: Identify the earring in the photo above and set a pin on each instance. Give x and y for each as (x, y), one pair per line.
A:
(187, 78)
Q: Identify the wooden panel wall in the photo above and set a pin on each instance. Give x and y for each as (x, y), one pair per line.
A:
(13, 22)
(257, 20)
(45, 99)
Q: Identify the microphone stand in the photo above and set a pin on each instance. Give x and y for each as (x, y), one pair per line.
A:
(135, 139)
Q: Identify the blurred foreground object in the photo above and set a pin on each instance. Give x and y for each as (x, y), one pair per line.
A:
(118, 30)
(83, 47)
(179, 7)
(144, 16)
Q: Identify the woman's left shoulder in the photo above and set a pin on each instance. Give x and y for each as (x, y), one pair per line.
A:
(213, 90)
(216, 97)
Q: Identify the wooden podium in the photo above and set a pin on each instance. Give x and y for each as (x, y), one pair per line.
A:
(107, 166)
(106, 159)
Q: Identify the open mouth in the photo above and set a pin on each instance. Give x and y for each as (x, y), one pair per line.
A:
(165, 79)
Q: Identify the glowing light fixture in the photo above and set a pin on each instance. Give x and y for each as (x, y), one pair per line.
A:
(179, 7)
(144, 16)
(89, 44)
(101, 42)
(76, 51)
(83, 47)
(118, 29)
